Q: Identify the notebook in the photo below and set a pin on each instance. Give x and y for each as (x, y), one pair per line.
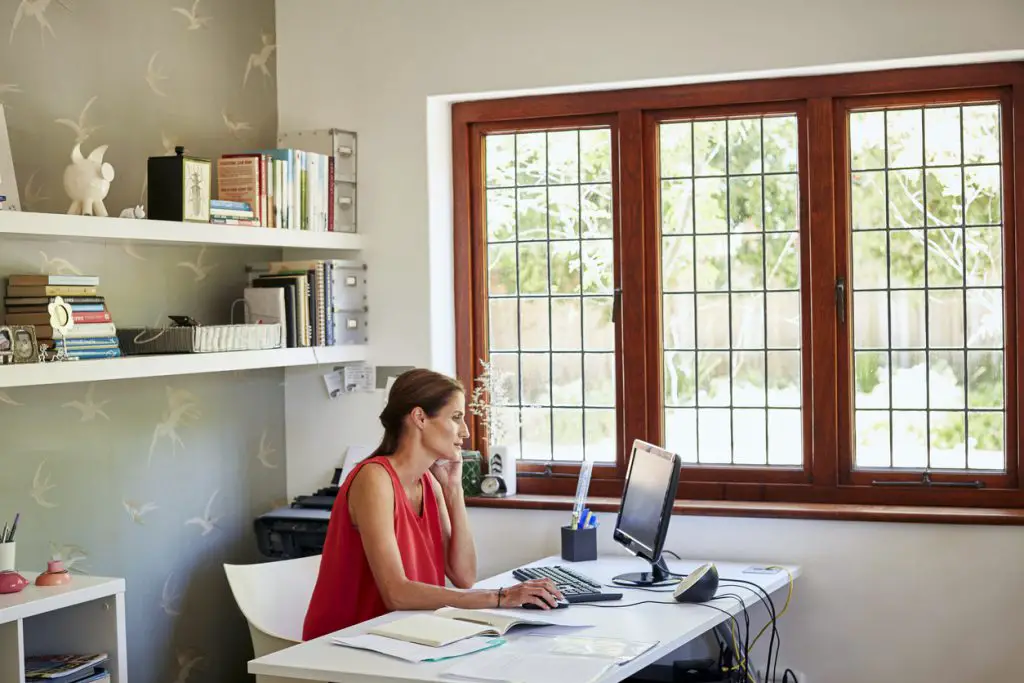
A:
(450, 624)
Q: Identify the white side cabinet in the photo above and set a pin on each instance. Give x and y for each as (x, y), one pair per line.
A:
(85, 615)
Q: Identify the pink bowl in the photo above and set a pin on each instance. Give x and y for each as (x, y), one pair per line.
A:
(12, 582)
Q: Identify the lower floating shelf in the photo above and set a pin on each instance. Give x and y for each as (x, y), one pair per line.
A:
(132, 367)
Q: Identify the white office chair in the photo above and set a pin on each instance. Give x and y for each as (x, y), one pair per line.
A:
(273, 597)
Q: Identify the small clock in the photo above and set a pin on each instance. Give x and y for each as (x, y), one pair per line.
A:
(493, 486)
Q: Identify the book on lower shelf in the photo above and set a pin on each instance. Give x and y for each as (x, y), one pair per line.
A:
(66, 668)
(324, 300)
(93, 334)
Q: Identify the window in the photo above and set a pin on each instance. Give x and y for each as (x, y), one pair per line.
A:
(806, 287)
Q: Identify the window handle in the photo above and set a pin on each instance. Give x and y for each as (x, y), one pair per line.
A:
(616, 305)
(927, 481)
(841, 299)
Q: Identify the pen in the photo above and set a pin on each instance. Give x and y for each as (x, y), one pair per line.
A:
(14, 527)
(3, 535)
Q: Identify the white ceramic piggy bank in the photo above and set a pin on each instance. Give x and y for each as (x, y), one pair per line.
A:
(87, 181)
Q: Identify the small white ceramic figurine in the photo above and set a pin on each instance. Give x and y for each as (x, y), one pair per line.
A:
(133, 212)
(87, 181)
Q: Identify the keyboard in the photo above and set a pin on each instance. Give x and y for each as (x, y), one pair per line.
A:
(574, 586)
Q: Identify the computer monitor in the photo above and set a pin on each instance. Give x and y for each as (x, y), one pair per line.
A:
(646, 510)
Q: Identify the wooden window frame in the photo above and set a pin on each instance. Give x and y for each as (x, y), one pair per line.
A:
(825, 478)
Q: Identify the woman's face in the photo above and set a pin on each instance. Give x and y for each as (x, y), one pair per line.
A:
(445, 433)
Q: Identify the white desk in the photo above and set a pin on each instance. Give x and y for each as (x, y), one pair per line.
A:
(672, 625)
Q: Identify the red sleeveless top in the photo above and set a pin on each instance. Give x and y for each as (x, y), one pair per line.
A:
(346, 592)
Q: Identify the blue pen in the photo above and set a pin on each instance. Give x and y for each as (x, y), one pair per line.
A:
(585, 518)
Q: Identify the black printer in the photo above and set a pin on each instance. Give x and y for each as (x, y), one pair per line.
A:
(300, 529)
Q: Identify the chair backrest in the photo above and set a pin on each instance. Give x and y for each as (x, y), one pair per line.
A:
(273, 597)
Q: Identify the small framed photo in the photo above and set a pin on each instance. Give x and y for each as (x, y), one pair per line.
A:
(6, 346)
(23, 344)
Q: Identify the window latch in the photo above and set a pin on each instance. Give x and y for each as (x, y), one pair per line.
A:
(927, 481)
(841, 299)
(616, 305)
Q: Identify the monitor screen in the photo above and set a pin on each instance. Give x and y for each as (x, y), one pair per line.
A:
(652, 479)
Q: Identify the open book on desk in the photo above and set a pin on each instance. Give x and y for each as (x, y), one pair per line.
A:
(450, 624)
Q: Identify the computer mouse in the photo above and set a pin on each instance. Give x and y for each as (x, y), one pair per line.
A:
(558, 605)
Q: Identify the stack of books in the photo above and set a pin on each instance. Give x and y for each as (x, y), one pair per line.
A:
(287, 188)
(226, 212)
(71, 668)
(93, 335)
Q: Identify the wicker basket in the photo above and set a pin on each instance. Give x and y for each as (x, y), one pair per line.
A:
(136, 341)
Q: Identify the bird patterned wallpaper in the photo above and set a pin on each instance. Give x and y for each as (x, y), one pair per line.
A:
(155, 480)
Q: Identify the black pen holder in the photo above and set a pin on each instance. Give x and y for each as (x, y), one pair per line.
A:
(579, 545)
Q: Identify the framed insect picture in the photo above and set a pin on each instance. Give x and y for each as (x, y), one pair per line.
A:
(179, 188)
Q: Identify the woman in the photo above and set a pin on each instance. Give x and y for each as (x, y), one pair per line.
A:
(399, 523)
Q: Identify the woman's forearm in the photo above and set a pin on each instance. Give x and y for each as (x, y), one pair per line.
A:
(461, 560)
(412, 595)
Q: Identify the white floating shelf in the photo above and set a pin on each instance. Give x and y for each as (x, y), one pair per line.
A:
(133, 367)
(48, 226)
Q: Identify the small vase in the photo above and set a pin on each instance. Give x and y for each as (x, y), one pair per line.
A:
(55, 574)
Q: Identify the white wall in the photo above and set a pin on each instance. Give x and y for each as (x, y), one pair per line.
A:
(372, 66)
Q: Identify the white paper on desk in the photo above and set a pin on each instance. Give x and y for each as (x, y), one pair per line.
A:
(353, 456)
(411, 652)
(527, 667)
(621, 651)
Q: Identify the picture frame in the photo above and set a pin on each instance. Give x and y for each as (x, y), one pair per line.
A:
(6, 345)
(197, 189)
(24, 347)
(8, 182)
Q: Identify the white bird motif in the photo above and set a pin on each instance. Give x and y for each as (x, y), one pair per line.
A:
(70, 555)
(185, 666)
(40, 485)
(235, 127)
(82, 130)
(136, 511)
(266, 450)
(207, 522)
(132, 251)
(89, 407)
(259, 59)
(181, 407)
(169, 598)
(34, 193)
(37, 10)
(194, 20)
(198, 267)
(154, 76)
(6, 398)
(57, 266)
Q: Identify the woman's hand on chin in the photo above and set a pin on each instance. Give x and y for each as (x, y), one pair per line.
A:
(448, 473)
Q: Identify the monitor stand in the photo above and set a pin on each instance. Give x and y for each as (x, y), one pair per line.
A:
(658, 576)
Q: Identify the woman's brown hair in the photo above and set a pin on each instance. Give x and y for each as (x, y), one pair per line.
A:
(418, 388)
